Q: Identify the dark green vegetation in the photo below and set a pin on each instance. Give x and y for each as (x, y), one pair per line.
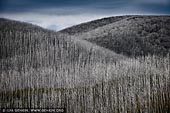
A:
(78, 69)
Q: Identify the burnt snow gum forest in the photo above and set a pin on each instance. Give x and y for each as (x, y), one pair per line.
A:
(118, 64)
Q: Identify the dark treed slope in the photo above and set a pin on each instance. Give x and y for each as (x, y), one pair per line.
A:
(131, 35)
(7, 24)
(85, 27)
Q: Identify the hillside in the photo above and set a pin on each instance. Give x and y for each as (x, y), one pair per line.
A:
(77, 69)
(26, 48)
(86, 27)
(130, 36)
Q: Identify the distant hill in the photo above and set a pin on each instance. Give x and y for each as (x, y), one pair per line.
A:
(128, 35)
(85, 27)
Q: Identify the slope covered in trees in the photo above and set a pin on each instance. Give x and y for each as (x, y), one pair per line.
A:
(85, 27)
(131, 35)
(26, 48)
(44, 69)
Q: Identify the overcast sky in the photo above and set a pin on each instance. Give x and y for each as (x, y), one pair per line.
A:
(59, 14)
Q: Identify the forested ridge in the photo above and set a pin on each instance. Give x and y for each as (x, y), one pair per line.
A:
(129, 35)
